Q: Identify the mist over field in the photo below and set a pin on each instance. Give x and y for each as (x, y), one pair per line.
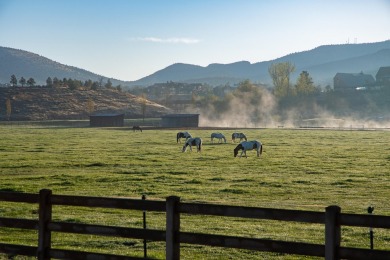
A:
(324, 120)
(241, 113)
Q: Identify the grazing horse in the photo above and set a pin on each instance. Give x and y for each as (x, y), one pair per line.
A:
(193, 142)
(137, 128)
(219, 136)
(180, 135)
(249, 145)
(238, 135)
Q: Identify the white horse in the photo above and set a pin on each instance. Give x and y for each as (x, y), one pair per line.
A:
(193, 142)
(219, 136)
(249, 145)
(180, 135)
(238, 135)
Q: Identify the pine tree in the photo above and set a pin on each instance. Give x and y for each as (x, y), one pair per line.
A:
(14, 80)
(31, 82)
(22, 81)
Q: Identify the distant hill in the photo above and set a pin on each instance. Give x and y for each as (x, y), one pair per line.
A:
(26, 64)
(43, 103)
(322, 63)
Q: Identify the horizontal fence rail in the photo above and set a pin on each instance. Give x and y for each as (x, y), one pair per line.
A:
(117, 203)
(332, 218)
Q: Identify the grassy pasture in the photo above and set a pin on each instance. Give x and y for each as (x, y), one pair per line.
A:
(299, 169)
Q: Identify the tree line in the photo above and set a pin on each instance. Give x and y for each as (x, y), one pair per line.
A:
(22, 81)
(72, 84)
(287, 101)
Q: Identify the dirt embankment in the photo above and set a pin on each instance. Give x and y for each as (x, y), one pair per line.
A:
(42, 103)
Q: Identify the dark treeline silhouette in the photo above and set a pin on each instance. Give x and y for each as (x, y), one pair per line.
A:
(66, 83)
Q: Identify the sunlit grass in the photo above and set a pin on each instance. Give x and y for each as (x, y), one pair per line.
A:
(299, 169)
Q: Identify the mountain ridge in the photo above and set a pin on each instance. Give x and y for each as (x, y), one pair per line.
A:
(305, 60)
(321, 62)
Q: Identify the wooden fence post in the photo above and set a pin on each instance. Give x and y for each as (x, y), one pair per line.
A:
(144, 227)
(172, 228)
(44, 235)
(332, 232)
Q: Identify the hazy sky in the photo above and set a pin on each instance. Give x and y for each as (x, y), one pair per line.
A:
(130, 39)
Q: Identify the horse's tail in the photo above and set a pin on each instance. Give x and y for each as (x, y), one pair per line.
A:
(177, 137)
(200, 145)
(261, 148)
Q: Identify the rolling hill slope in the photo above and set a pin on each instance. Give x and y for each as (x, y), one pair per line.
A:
(26, 64)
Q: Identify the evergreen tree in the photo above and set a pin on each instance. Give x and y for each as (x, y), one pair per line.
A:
(73, 84)
(108, 84)
(31, 82)
(14, 80)
(65, 82)
(101, 79)
(88, 84)
(56, 82)
(22, 81)
(49, 82)
(95, 85)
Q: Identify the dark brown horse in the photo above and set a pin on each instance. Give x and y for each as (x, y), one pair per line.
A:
(180, 135)
(137, 128)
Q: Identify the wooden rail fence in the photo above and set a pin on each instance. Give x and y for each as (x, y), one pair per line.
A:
(332, 218)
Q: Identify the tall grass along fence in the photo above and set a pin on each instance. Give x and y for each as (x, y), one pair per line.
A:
(332, 218)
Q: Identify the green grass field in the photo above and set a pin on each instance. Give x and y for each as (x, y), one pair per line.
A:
(299, 169)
